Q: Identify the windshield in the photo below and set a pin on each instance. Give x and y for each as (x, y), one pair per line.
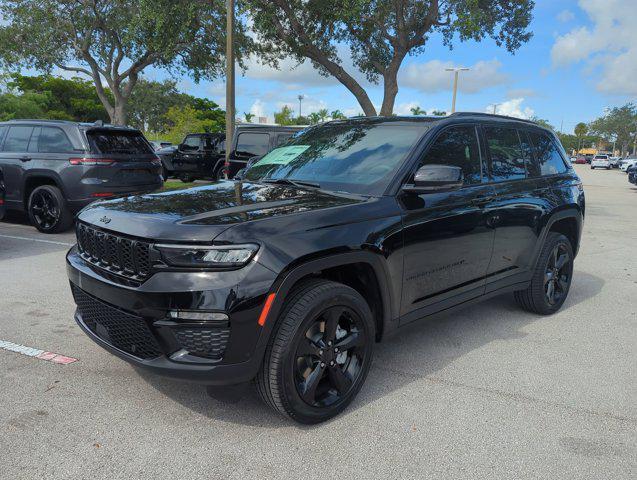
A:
(351, 157)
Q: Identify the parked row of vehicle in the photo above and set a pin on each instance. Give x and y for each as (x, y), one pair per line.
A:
(202, 155)
(604, 161)
(52, 169)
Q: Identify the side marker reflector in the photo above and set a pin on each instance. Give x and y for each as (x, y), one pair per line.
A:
(266, 309)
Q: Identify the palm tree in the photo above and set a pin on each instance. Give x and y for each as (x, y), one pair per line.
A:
(323, 114)
(314, 118)
(581, 129)
(248, 116)
(439, 113)
(417, 111)
(337, 115)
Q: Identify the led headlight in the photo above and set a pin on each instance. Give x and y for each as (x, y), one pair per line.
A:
(207, 255)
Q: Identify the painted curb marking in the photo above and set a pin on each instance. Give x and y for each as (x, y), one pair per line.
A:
(36, 353)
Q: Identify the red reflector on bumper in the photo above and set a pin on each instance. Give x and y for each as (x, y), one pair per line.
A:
(266, 309)
(102, 194)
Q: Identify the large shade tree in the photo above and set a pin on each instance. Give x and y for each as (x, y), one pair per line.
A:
(113, 41)
(380, 34)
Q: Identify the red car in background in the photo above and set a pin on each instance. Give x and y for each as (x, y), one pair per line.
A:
(580, 160)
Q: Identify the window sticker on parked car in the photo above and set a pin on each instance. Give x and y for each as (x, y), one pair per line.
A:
(283, 155)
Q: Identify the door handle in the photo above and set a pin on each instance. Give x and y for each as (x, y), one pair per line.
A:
(25, 159)
(482, 200)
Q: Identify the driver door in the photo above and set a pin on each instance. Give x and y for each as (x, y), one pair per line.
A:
(448, 238)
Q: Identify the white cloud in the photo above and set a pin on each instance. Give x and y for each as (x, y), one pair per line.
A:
(608, 48)
(258, 109)
(512, 108)
(405, 108)
(432, 77)
(565, 16)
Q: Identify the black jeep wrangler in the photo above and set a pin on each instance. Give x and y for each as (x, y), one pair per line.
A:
(350, 231)
(52, 168)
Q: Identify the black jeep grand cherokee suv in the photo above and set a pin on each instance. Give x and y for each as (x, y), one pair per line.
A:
(53, 168)
(350, 231)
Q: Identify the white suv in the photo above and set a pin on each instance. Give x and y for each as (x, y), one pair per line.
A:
(600, 161)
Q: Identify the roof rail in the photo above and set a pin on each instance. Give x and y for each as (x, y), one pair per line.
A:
(491, 115)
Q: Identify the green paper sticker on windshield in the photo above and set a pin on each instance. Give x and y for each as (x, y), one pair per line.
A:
(283, 155)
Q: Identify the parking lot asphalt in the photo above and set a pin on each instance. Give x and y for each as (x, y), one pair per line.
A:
(489, 392)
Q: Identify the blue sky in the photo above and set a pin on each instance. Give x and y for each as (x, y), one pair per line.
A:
(581, 59)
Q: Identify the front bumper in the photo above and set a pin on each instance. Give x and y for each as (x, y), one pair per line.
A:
(148, 306)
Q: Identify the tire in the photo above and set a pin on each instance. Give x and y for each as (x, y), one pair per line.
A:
(48, 210)
(298, 352)
(187, 178)
(536, 298)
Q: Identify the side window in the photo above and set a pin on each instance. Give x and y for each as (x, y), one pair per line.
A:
(507, 157)
(457, 146)
(547, 154)
(3, 130)
(191, 142)
(18, 139)
(54, 140)
(282, 138)
(253, 144)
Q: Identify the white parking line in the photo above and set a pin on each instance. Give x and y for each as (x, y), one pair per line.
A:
(37, 240)
(36, 353)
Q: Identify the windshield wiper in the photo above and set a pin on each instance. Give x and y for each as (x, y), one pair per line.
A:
(287, 181)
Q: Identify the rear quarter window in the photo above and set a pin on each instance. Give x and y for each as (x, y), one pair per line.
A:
(547, 154)
(53, 140)
(117, 142)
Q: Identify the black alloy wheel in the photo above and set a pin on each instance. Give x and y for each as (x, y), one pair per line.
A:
(551, 279)
(329, 357)
(557, 276)
(48, 211)
(319, 352)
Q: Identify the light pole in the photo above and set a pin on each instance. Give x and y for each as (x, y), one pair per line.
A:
(495, 106)
(229, 78)
(300, 97)
(456, 71)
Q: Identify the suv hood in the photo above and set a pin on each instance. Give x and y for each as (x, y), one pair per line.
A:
(199, 214)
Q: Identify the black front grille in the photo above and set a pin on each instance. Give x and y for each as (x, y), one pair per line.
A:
(124, 331)
(117, 254)
(203, 342)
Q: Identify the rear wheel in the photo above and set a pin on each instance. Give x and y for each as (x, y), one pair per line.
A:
(186, 178)
(552, 277)
(48, 210)
(319, 353)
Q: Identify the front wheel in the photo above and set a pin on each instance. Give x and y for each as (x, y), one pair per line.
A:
(552, 277)
(319, 353)
(48, 210)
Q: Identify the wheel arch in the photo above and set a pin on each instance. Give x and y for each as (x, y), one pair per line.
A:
(568, 222)
(33, 180)
(363, 270)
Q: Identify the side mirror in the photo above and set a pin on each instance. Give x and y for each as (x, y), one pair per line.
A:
(436, 178)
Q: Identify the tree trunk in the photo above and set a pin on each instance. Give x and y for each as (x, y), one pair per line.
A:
(390, 91)
(119, 114)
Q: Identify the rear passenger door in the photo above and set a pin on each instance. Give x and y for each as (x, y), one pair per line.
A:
(518, 207)
(50, 149)
(14, 161)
